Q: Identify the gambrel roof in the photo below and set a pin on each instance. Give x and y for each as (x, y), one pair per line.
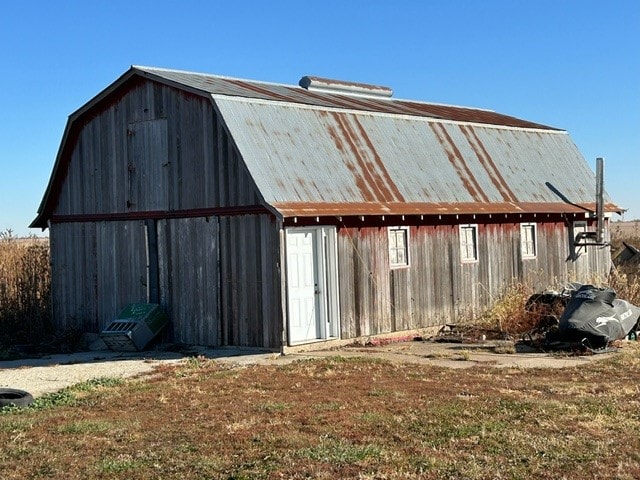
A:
(351, 149)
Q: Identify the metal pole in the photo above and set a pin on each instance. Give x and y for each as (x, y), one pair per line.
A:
(600, 199)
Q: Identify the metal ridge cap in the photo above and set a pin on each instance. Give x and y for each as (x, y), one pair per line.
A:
(211, 75)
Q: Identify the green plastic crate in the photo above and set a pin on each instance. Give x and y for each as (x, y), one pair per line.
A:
(135, 327)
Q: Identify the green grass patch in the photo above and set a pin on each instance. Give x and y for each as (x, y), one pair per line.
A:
(83, 427)
(340, 452)
(69, 396)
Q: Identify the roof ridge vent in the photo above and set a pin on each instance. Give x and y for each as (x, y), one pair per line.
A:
(328, 85)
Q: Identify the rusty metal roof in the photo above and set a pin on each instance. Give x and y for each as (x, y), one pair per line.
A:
(234, 87)
(310, 161)
(315, 152)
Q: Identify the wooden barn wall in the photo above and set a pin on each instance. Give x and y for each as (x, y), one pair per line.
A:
(98, 269)
(153, 148)
(188, 254)
(437, 287)
(251, 308)
(101, 267)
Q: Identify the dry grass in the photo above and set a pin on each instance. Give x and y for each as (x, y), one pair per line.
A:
(508, 313)
(337, 418)
(25, 280)
(625, 280)
(628, 232)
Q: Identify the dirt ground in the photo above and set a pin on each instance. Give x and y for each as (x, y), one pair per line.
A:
(55, 372)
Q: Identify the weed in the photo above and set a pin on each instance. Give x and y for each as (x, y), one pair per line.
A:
(465, 354)
(339, 451)
(273, 406)
(504, 348)
(370, 417)
(379, 393)
(508, 313)
(95, 383)
(17, 426)
(86, 427)
(120, 464)
(328, 406)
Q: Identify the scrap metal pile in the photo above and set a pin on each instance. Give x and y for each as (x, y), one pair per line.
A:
(592, 318)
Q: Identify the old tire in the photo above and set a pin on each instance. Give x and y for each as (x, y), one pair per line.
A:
(12, 396)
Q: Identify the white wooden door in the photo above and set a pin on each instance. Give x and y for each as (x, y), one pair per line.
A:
(302, 282)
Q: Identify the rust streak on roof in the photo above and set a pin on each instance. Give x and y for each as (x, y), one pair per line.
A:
(256, 88)
(380, 168)
(341, 145)
(458, 163)
(369, 175)
(488, 164)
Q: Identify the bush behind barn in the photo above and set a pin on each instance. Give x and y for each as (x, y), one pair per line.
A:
(25, 290)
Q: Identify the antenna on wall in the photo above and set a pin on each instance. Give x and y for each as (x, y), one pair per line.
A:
(596, 238)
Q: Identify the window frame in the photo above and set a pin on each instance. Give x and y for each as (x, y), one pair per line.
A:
(579, 226)
(533, 241)
(392, 231)
(464, 246)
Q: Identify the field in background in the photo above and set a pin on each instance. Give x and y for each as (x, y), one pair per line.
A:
(625, 229)
(25, 290)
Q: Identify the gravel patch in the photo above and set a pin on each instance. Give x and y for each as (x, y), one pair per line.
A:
(48, 374)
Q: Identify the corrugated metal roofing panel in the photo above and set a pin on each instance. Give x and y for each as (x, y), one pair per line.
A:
(384, 163)
(292, 93)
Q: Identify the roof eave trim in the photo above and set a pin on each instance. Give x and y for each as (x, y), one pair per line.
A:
(305, 209)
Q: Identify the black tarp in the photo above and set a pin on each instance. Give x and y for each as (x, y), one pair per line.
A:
(594, 317)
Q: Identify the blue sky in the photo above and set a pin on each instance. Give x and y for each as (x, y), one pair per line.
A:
(566, 63)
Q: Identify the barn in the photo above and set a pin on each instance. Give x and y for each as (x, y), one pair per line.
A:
(271, 215)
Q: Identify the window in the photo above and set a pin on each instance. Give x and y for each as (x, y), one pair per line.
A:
(398, 246)
(528, 240)
(469, 243)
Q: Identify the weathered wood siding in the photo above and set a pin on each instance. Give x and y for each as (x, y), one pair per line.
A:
(188, 258)
(99, 268)
(102, 266)
(154, 148)
(437, 287)
(250, 282)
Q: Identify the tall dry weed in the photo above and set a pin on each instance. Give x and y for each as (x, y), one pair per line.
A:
(509, 313)
(625, 279)
(626, 285)
(25, 289)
